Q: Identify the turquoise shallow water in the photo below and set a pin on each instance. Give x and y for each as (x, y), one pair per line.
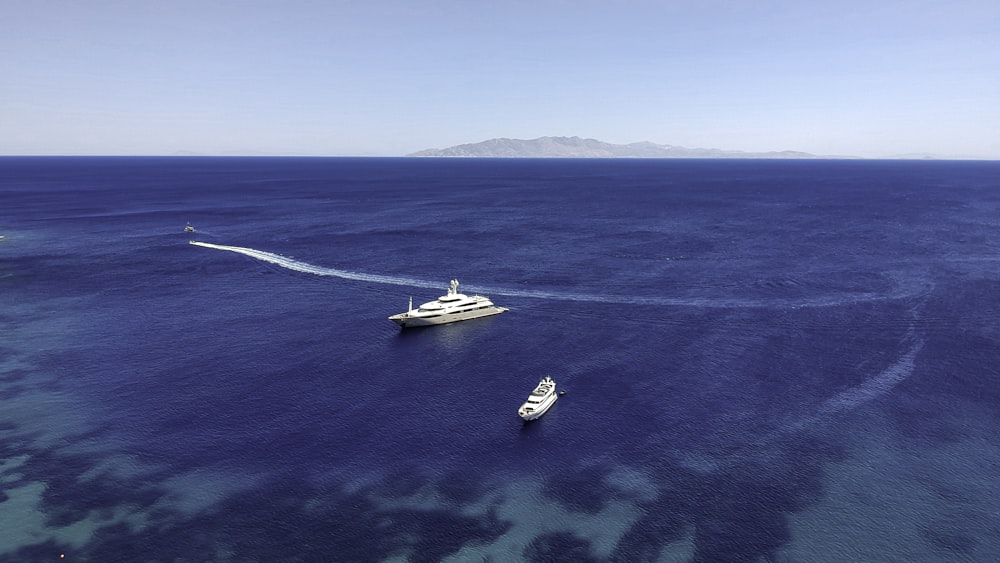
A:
(785, 361)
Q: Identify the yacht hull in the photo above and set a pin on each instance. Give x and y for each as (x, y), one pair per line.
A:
(542, 409)
(540, 401)
(407, 320)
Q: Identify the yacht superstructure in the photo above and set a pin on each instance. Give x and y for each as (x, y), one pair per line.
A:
(540, 400)
(448, 308)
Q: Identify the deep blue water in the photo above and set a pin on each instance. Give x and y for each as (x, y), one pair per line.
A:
(764, 360)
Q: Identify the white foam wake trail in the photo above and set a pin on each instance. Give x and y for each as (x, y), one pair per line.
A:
(722, 302)
(874, 387)
(762, 448)
(297, 266)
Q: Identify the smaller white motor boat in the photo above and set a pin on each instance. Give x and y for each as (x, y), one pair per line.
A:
(540, 400)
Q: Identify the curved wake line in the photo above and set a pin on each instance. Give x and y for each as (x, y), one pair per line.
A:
(317, 270)
(871, 389)
(827, 301)
(846, 400)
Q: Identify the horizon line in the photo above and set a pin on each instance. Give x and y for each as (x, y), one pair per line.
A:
(411, 156)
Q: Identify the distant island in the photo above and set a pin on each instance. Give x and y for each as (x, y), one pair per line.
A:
(576, 147)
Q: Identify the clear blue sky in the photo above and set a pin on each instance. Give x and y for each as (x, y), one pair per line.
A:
(377, 77)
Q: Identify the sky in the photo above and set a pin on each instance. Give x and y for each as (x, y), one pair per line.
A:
(868, 78)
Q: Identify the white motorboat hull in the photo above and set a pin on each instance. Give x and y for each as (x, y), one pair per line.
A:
(541, 409)
(540, 401)
(408, 319)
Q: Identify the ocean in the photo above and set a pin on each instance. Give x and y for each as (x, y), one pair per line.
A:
(793, 360)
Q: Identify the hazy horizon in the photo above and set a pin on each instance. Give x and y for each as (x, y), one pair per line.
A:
(380, 78)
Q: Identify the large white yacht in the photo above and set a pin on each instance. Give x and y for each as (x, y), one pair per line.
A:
(448, 308)
(540, 400)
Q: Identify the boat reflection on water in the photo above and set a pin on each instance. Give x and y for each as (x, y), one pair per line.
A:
(454, 337)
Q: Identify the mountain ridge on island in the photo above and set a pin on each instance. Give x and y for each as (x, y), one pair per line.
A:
(577, 147)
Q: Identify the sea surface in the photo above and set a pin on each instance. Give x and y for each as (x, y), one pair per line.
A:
(783, 361)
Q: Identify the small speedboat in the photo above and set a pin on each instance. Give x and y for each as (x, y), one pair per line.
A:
(540, 400)
(189, 228)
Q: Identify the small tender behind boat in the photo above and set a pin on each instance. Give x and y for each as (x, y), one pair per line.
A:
(540, 400)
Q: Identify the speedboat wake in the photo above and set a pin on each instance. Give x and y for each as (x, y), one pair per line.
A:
(297, 266)
(901, 291)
